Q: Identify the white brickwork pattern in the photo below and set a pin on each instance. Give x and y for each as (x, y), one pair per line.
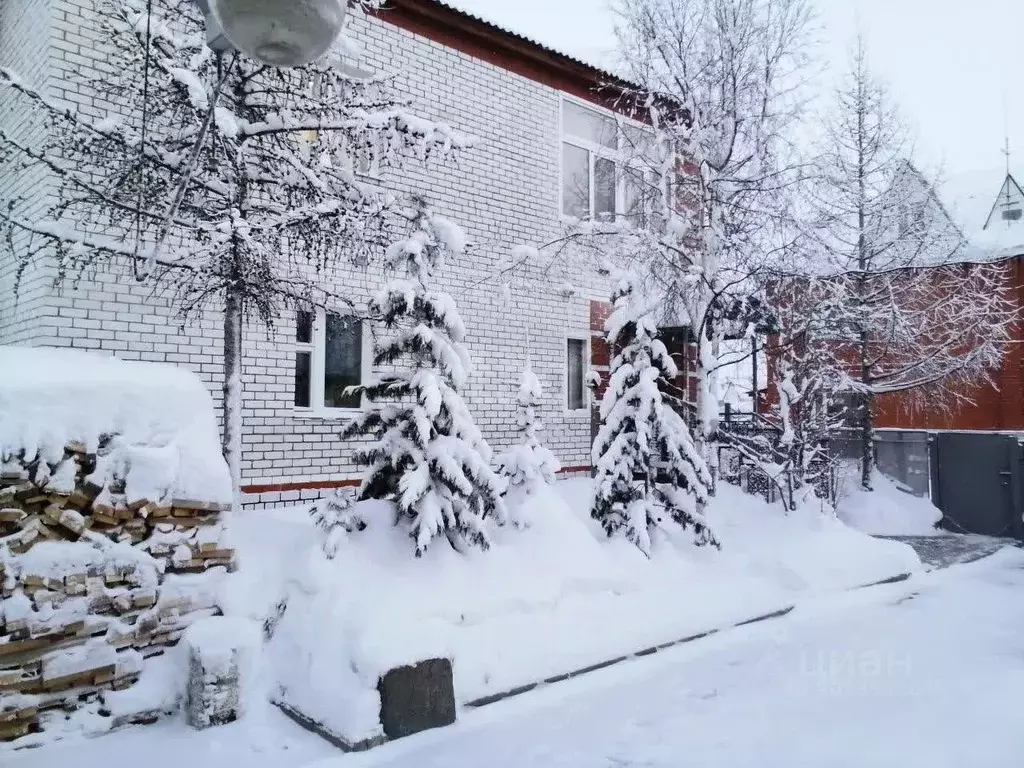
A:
(504, 192)
(26, 35)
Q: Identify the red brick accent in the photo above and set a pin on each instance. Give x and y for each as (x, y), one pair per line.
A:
(573, 470)
(308, 485)
(600, 352)
(599, 312)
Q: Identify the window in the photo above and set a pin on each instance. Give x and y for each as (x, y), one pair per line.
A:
(575, 374)
(331, 354)
(601, 175)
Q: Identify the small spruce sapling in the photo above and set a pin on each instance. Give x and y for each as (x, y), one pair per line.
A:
(647, 465)
(529, 466)
(427, 455)
(337, 517)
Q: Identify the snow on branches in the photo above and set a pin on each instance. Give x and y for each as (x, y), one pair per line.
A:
(257, 196)
(224, 183)
(529, 466)
(647, 465)
(427, 455)
(894, 297)
(717, 85)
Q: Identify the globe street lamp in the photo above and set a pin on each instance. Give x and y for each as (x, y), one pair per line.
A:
(282, 33)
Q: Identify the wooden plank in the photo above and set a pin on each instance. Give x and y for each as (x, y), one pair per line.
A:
(53, 512)
(189, 504)
(79, 499)
(13, 715)
(205, 554)
(12, 515)
(124, 682)
(12, 731)
(104, 518)
(21, 646)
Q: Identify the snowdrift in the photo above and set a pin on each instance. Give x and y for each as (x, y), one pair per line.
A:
(166, 433)
(543, 601)
(887, 510)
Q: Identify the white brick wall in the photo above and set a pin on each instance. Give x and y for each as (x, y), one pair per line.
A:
(504, 192)
(24, 48)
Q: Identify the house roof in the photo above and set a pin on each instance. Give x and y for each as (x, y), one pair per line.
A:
(449, 23)
(463, 7)
(971, 198)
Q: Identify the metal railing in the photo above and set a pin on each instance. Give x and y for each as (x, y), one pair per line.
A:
(751, 455)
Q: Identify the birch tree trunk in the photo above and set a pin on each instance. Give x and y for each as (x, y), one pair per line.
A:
(232, 437)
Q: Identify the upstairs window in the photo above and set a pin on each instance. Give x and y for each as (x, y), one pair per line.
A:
(332, 352)
(600, 176)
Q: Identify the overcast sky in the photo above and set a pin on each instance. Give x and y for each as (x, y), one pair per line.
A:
(956, 67)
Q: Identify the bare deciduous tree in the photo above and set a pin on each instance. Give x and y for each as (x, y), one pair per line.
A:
(719, 85)
(904, 314)
(224, 182)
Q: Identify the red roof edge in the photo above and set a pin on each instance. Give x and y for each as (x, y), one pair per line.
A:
(484, 40)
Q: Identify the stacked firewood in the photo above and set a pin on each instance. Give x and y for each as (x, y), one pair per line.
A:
(91, 583)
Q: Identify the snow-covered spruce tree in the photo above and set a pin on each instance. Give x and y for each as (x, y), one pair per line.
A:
(529, 466)
(221, 183)
(427, 455)
(905, 314)
(647, 466)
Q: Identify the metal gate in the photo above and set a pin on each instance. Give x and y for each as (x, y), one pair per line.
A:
(978, 482)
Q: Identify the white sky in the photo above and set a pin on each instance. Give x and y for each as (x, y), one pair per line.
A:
(956, 67)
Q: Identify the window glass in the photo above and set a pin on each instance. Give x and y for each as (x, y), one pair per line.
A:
(575, 182)
(304, 327)
(635, 197)
(589, 124)
(302, 379)
(604, 188)
(576, 371)
(343, 361)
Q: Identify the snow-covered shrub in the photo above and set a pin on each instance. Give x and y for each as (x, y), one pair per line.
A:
(427, 455)
(337, 517)
(647, 466)
(529, 466)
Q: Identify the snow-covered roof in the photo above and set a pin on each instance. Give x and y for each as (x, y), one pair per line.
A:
(513, 23)
(970, 198)
(167, 444)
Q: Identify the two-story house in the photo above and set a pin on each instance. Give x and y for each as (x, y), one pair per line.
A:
(546, 149)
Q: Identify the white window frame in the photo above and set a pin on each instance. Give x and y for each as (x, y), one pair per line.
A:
(583, 373)
(595, 150)
(317, 348)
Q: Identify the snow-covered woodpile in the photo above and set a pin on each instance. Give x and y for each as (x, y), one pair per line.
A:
(111, 492)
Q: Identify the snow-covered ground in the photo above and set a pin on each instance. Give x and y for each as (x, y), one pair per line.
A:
(926, 672)
(888, 510)
(541, 602)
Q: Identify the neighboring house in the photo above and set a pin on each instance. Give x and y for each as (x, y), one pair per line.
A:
(991, 216)
(544, 152)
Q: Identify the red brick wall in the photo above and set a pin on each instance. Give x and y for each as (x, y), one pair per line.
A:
(684, 355)
(998, 406)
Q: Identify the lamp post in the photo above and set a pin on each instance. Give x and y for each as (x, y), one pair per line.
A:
(282, 33)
